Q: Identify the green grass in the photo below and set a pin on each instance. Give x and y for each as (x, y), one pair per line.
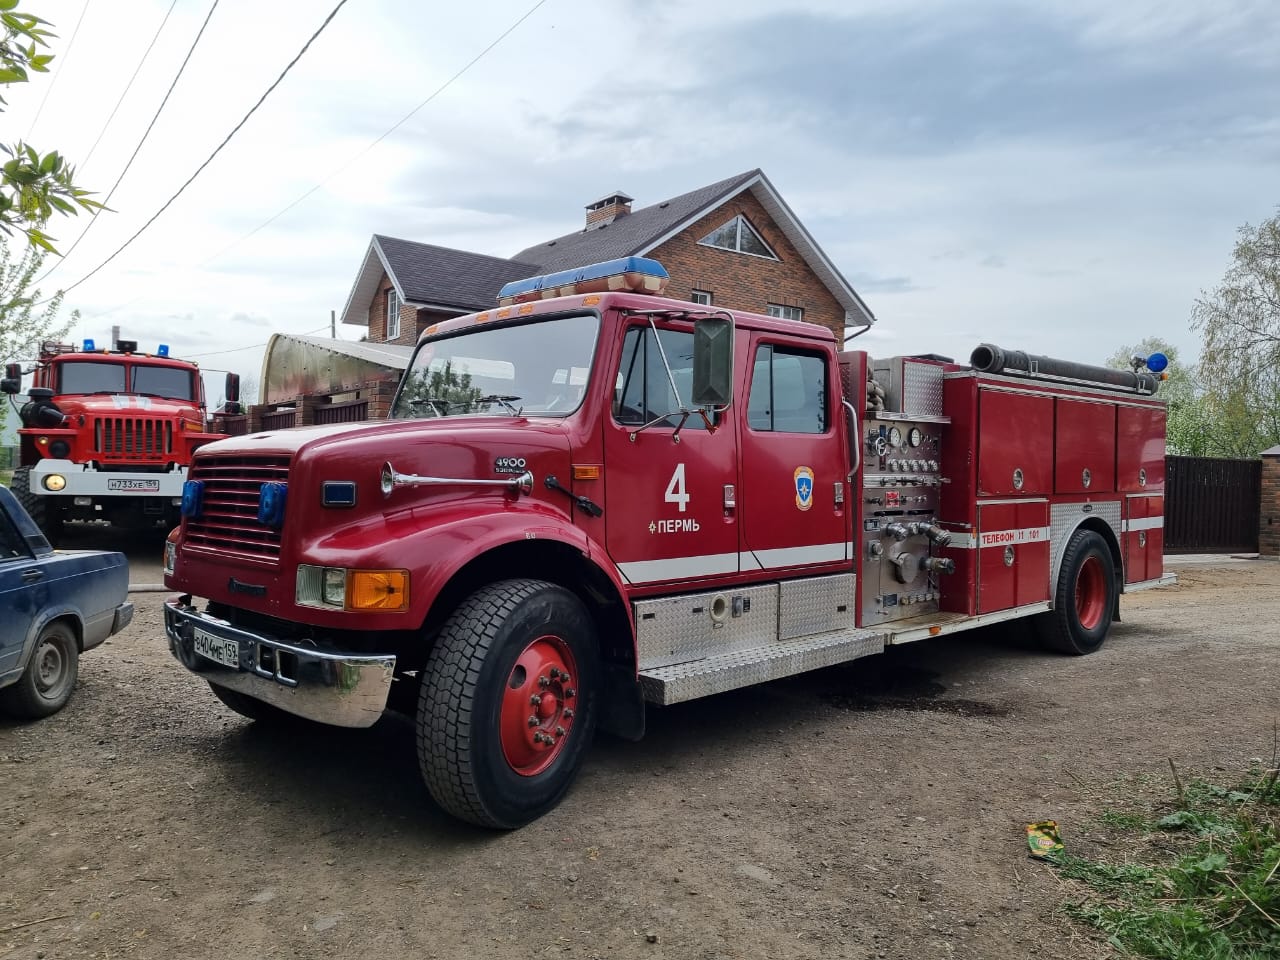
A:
(6, 477)
(1209, 884)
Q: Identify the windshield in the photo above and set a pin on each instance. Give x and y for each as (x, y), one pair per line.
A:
(86, 377)
(538, 368)
(172, 382)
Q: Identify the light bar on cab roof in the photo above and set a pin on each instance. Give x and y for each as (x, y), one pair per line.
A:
(630, 274)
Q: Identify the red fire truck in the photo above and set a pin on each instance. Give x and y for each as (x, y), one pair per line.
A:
(592, 498)
(107, 434)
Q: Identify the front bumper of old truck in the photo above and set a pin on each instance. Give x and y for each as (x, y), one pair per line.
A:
(329, 686)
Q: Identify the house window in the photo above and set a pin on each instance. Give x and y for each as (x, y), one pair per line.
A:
(788, 391)
(393, 314)
(784, 312)
(701, 296)
(739, 236)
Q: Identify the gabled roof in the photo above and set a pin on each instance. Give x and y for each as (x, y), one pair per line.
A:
(628, 235)
(456, 280)
(641, 231)
(425, 275)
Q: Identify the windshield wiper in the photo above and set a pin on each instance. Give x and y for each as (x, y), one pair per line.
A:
(438, 406)
(505, 399)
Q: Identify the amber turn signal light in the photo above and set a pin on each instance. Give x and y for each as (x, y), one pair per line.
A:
(386, 590)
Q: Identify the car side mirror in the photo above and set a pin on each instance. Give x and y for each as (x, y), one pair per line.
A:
(10, 385)
(232, 390)
(712, 362)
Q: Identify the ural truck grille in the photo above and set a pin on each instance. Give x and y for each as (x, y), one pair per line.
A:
(228, 521)
(132, 438)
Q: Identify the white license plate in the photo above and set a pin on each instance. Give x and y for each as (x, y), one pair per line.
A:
(217, 649)
(134, 486)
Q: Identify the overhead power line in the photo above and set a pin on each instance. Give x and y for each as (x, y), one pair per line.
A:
(356, 156)
(57, 73)
(251, 346)
(127, 87)
(146, 133)
(218, 149)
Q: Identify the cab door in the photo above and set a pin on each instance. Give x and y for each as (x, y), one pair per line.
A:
(795, 484)
(670, 503)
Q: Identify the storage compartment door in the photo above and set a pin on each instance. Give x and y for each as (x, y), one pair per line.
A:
(1140, 433)
(1085, 447)
(1015, 444)
(1144, 539)
(1013, 554)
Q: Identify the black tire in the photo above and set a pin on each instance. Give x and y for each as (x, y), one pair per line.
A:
(471, 761)
(48, 516)
(1085, 599)
(47, 683)
(252, 709)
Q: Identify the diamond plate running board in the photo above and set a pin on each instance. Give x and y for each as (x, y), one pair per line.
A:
(772, 661)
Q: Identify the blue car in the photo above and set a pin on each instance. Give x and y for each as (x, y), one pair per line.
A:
(53, 607)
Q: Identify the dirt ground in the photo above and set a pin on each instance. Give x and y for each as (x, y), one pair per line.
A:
(874, 810)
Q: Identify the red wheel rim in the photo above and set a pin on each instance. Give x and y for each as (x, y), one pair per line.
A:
(538, 705)
(1091, 593)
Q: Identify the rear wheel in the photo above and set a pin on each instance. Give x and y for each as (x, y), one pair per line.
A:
(46, 514)
(1085, 598)
(46, 685)
(508, 701)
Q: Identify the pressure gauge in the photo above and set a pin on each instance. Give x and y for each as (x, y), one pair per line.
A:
(895, 437)
(915, 436)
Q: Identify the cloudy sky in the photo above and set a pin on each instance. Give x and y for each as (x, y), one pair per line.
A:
(1061, 176)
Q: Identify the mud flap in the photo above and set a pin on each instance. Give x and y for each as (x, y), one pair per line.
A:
(622, 706)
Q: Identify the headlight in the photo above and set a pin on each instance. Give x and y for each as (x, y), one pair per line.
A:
(55, 482)
(170, 557)
(343, 589)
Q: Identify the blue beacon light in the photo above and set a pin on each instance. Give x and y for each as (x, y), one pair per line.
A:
(162, 350)
(87, 346)
(1157, 362)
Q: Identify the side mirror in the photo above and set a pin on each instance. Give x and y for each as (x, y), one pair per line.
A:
(232, 390)
(13, 371)
(11, 385)
(712, 362)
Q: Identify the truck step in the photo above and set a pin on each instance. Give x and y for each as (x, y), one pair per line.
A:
(771, 661)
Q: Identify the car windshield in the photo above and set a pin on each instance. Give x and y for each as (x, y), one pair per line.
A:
(90, 377)
(535, 369)
(172, 382)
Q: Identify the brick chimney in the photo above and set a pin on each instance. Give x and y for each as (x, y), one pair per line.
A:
(608, 209)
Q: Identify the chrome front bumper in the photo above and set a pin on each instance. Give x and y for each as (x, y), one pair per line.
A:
(342, 689)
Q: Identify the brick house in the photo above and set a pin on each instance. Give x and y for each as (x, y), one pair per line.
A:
(734, 244)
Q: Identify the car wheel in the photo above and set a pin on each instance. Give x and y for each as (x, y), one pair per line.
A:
(46, 514)
(508, 702)
(50, 677)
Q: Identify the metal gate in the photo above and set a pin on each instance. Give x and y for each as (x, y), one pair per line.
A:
(1211, 505)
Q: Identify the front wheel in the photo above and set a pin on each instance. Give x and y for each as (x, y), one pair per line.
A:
(508, 702)
(45, 686)
(45, 511)
(1085, 598)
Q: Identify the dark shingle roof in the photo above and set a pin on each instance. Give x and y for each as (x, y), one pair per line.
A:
(628, 234)
(450, 278)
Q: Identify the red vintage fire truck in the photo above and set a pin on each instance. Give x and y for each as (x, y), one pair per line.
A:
(592, 498)
(107, 434)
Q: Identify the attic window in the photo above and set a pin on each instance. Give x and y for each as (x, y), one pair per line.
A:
(739, 236)
(393, 314)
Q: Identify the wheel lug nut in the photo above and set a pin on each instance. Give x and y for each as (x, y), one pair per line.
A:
(536, 700)
(544, 682)
(559, 731)
(533, 721)
(568, 713)
(569, 693)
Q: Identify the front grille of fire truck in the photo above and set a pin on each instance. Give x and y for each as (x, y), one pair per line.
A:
(228, 521)
(133, 438)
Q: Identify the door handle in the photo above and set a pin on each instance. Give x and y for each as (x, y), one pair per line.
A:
(31, 576)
